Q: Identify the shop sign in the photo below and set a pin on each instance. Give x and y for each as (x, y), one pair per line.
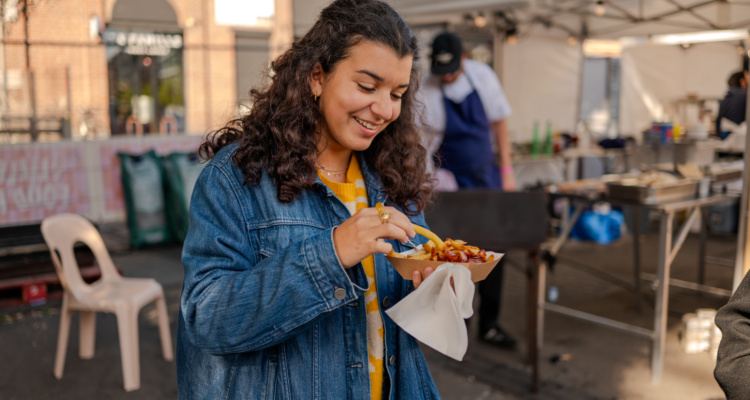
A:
(143, 43)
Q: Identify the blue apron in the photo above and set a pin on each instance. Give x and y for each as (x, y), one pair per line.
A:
(466, 149)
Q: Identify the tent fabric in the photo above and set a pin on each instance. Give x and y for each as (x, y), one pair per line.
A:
(654, 78)
(541, 77)
(595, 92)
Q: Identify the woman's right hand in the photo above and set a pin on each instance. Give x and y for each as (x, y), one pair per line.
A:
(357, 238)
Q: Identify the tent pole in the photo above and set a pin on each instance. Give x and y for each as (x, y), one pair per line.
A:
(743, 244)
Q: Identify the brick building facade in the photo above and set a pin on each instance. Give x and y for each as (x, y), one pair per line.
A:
(71, 67)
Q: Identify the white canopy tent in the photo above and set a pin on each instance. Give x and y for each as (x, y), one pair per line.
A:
(655, 77)
(542, 77)
(543, 73)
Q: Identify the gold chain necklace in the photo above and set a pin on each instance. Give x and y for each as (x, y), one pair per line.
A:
(330, 172)
(335, 172)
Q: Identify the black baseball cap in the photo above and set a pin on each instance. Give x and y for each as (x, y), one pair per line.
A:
(446, 54)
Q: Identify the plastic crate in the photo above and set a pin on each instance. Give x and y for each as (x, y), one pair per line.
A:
(723, 218)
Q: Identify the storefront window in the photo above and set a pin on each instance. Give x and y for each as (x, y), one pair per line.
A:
(146, 90)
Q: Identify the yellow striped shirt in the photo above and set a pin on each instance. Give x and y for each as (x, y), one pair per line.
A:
(354, 196)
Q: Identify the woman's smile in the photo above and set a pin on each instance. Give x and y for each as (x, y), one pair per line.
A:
(370, 129)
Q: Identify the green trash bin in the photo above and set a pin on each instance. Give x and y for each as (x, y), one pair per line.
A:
(181, 171)
(143, 190)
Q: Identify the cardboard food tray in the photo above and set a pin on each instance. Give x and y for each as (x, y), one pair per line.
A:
(405, 266)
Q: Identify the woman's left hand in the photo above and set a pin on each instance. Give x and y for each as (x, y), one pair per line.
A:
(416, 276)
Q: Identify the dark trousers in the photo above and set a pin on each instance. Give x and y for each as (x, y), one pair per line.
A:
(490, 297)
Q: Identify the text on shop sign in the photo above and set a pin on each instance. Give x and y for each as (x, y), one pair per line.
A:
(143, 43)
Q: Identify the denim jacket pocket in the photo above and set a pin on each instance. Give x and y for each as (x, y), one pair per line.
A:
(277, 236)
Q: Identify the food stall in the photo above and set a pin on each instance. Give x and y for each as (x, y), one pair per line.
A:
(646, 87)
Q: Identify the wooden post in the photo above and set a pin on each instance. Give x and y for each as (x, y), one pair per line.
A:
(532, 318)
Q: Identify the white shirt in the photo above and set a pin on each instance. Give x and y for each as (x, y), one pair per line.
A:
(483, 79)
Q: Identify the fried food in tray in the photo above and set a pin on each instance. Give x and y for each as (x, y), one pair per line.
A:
(650, 179)
(450, 250)
(456, 251)
(436, 252)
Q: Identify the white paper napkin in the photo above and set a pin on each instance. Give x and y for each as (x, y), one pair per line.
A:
(434, 314)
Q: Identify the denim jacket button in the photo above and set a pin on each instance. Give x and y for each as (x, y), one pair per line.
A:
(339, 294)
(391, 359)
(386, 301)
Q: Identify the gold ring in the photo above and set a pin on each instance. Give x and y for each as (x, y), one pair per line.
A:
(384, 217)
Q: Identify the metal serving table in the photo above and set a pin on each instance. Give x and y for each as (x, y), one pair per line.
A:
(669, 246)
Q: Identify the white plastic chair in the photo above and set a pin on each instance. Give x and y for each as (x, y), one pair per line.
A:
(111, 293)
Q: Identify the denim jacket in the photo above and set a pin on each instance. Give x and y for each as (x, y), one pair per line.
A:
(268, 311)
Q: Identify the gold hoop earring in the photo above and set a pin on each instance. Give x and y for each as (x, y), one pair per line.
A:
(315, 96)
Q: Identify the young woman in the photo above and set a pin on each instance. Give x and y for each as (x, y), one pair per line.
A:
(285, 278)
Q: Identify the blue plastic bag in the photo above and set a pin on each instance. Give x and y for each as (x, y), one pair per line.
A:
(602, 228)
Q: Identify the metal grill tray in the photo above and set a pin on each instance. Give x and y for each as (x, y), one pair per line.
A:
(726, 175)
(654, 194)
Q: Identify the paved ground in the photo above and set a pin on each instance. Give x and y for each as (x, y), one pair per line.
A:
(579, 360)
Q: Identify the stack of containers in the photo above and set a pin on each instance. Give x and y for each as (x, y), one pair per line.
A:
(700, 333)
(707, 317)
(691, 334)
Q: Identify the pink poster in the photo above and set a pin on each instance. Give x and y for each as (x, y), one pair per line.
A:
(36, 182)
(44, 179)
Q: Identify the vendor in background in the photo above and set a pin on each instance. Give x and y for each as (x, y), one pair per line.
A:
(733, 105)
(465, 112)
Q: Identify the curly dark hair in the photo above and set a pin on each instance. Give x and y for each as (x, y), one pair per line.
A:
(735, 80)
(279, 134)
